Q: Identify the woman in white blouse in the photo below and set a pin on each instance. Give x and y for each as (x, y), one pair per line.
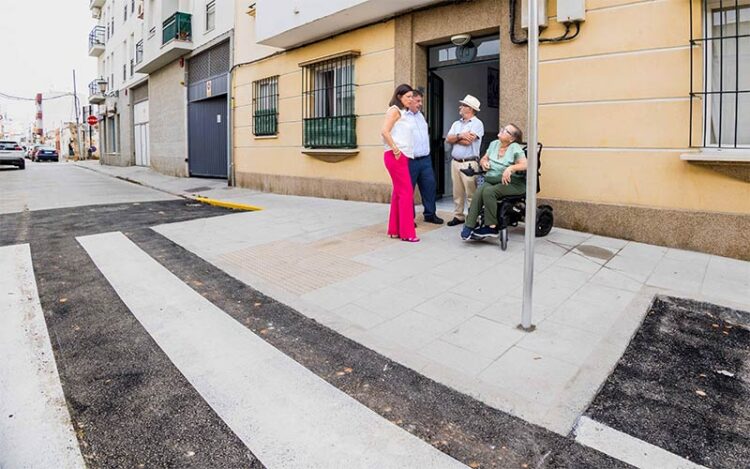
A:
(398, 137)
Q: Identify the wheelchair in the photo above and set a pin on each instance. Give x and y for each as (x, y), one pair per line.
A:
(511, 210)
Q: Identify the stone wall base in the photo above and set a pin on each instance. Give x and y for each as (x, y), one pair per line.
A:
(316, 187)
(723, 234)
(115, 159)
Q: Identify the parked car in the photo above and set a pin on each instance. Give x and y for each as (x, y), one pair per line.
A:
(11, 153)
(31, 150)
(45, 154)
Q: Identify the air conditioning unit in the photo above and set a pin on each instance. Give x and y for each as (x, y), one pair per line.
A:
(542, 9)
(96, 12)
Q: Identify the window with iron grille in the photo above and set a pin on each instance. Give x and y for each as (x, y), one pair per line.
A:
(266, 106)
(210, 15)
(328, 103)
(724, 94)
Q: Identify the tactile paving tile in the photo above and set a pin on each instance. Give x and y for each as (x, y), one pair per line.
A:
(301, 268)
(298, 268)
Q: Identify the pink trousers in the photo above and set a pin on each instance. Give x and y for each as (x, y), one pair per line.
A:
(401, 220)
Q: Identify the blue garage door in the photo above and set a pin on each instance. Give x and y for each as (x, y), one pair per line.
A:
(208, 79)
(207, 137)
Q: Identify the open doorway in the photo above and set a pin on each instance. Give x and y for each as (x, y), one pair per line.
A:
(453, 72)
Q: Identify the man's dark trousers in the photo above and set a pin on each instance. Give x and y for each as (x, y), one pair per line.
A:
(420, 169)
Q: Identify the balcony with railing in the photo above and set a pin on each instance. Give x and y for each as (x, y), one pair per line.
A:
(96, 41)
(97, 89)
(177, 27)
(176, 40)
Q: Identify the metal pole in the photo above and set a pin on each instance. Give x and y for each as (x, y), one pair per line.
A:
(533, 80)
(91, 137)
(78, 123)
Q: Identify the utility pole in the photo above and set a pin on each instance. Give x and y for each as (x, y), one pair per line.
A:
(530, 220)
(78, 121)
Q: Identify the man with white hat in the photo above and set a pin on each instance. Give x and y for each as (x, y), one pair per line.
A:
(466, 137)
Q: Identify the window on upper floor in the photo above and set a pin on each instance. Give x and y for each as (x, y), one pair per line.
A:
(266, 106)
(725, 92)
(132, 6)
(210, 15)
(328, 103)
(125, 13)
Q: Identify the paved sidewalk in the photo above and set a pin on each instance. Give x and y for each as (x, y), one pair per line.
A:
(448, 308)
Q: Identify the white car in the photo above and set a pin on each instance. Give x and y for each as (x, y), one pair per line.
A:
(11, 153)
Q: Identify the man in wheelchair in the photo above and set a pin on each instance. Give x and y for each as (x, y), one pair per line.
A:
(504, 160)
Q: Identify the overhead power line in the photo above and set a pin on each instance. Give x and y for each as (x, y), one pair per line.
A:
(46, 98)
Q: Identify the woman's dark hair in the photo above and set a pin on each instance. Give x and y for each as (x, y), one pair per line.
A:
(516, 133)
(401, 90)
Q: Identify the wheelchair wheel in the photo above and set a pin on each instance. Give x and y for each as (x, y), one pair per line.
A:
(504, 239)
(544, 220)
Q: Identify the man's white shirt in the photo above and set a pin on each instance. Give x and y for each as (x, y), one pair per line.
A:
(475, 125)
(421, 134)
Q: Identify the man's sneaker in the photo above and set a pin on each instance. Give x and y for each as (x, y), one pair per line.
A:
(466, 233)
(486, 232)
(454, 222)
(434, 219)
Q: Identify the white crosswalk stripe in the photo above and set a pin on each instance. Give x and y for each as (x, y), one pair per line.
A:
(35, 427)
(285, 414)
(628, 448)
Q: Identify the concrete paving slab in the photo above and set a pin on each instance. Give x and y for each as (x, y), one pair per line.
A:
(568, 344)
(485, 339)
(412, 329)
(681, 274)
(465, 362)
(533, 375)
(451, 308)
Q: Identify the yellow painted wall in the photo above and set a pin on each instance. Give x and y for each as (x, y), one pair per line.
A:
(282, 155)
(614, 111)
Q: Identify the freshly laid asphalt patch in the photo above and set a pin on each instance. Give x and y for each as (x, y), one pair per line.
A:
(464, 428)
(129, 405)
(683, 383)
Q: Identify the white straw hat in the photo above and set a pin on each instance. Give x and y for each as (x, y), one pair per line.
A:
(471, 101)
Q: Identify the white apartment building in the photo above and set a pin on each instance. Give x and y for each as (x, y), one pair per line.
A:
(113, 42)
(164, 68)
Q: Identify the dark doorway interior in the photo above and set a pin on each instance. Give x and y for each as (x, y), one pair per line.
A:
(454, 72)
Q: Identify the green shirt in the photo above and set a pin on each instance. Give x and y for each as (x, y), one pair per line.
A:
(499, 163)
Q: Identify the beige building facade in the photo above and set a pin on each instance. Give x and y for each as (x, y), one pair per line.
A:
(632, 135)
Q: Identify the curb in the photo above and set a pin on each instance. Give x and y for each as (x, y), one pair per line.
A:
(196, 198)
(223, 204)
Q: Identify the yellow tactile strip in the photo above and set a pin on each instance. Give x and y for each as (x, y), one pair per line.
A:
(304, 267)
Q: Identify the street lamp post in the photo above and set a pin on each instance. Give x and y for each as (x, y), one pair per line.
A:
(531, 182)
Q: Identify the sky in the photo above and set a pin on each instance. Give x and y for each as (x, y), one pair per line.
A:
(41, 42)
